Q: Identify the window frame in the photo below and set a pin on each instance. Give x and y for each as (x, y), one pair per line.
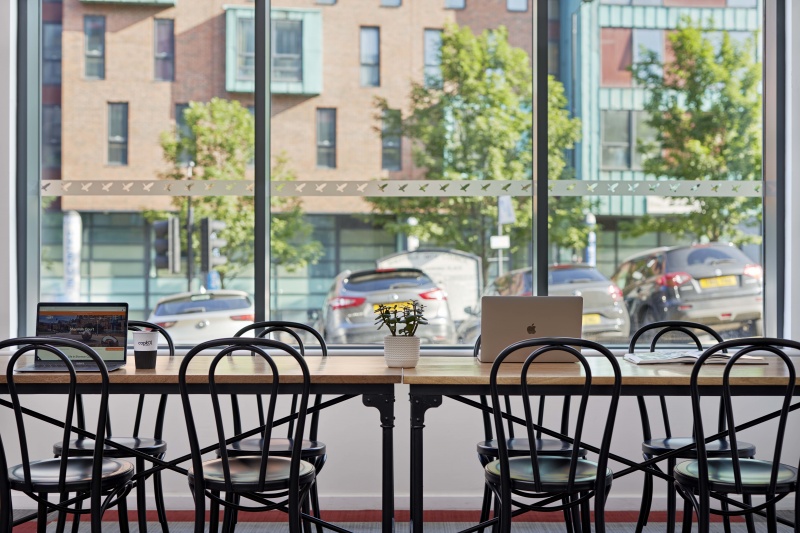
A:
(91, 54)
(294, 57)
(369, 70)
(429, 80)
(121, 140)
(326, 144)
(28, 164)
(52, 58)
(167, 57)
(387, 141)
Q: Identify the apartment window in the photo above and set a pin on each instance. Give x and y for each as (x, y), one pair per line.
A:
(287, 50)
(118, 134)
(51, 136)
(391, 3)
(326, 138)
(94, 29)
(327, 2)
(553, 58)
(433, 57)
(391, 141)
(183, 131)
(621, 132)
(165, 49)
(51, 53)
(370, 57)
(517, 5)
(245, 49)
(616, 56)
(455, 4)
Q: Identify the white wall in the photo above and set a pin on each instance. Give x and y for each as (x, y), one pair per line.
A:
(8, 96)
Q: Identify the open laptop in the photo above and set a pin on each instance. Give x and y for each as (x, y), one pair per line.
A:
(101, 326)
(509, 319)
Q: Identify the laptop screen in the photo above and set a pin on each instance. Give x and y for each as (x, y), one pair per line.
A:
(102, 326)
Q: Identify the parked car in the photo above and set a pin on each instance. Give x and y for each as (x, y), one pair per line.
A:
(714, 284)
(193, 317)
(348, 315)
(604, 315)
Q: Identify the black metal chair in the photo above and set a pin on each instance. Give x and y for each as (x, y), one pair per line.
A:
(487, 448)
(313, 450)
(103, 481)
(267, 481)
(154, 446)
(655, 447)
(555, 482)
(708, 476)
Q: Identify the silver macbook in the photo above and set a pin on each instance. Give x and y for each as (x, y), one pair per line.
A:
(509, 319)
(101, 326)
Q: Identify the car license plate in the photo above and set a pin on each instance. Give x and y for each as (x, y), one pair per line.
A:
(591, 320)
(719, 281)
(396, 305)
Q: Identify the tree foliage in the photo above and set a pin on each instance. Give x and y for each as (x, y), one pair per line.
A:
(219, 137)
(476, 124)
(705, 108)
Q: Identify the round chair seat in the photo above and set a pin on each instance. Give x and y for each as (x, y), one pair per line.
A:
(523, 447)
(278, 447)
(554, 472)
(85, 447)
(721, 447)
(245, 470)
(78, 477)
(755, 475)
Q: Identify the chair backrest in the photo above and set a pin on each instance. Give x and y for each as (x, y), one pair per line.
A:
(268, 328)
(487, 419)
(538, 347)
(658, 330)
(54, 345)
(259, 348)
(775, 347)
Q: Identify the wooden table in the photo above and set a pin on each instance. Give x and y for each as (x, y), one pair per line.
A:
(367, 376)
(435, 377)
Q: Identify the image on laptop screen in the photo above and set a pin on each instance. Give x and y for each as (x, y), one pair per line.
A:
(102, 326)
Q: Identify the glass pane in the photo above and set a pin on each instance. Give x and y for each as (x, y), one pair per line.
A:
(370, 57)
(94, 28)
(454, 4)
(246, 49)
(517, 5)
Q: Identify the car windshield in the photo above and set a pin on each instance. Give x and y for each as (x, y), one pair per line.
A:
(386, 280)
(573, 275)
(202, 304)
(706, 256)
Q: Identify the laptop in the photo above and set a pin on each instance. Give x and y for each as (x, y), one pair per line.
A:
(101, 326)
(509, 319)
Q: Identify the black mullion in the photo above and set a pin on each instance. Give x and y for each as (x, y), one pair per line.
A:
(262, 171)
(539, 190)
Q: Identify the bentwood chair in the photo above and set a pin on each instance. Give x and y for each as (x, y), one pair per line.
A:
(102, 480)
(708, 476)
(313, 450)
(553, 483)
(154, 446)
(655, 447)
(266, 481)
(487, 448)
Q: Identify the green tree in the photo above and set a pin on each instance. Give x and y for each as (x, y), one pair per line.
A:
(474, 123)
(219, 138)
(705, 108)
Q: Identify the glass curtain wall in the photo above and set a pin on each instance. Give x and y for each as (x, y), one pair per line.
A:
(401, 162)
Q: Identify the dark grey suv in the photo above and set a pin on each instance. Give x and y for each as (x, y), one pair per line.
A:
(348, 316)
(714, 284)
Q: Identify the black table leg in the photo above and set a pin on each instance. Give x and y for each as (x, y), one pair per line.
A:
(419, 404)
(384, 403)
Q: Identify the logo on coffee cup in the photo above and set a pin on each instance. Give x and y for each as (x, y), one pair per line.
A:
(144, 343)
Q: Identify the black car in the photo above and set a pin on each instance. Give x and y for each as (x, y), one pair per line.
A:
(714, 284)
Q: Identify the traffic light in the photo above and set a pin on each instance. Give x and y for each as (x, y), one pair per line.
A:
(168, 244)
(210, 244)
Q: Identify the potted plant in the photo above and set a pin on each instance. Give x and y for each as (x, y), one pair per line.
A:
(401, 346)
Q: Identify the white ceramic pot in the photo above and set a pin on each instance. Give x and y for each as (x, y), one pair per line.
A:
(401, 352)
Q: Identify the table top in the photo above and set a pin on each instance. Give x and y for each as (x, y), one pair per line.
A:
(469, 371)
(231, 370)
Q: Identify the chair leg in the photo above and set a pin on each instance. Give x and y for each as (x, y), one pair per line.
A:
(586, 516)
(314, 496)
(647, 499)
(576, 515)
(672, 506)
(688, 511)
(122, 510)
(568, 515)
(76, 518)
(505, 514)
(703, 513)
(228, 514)
(41, 514)
(496, 526)
(213, 519)
(158, 490)
(305, 507)
(726, 520)
(62, 515)
(748, 518)
(772, 519)
(141, 505)
(486, 505)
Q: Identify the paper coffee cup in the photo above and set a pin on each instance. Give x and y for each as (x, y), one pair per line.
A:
(145, 348)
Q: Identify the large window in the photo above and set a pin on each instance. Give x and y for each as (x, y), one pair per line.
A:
(634, 162)
(94, 29)
(370, 57)
(165, 49)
